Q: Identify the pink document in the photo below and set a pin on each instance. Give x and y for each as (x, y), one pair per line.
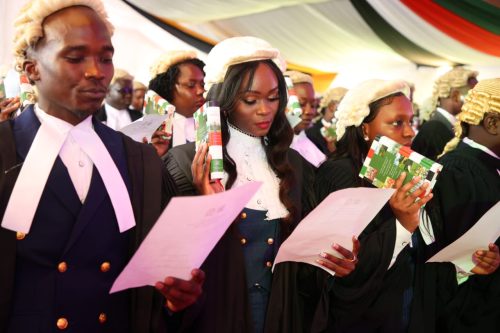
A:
(182, 238)
(341, 215)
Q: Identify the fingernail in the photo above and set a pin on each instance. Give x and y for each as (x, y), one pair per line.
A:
(336, 246)
(319, 261)
(323, 254)
(169, 281)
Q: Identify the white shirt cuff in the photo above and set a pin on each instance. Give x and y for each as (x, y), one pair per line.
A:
(425, 227)
(403, 238)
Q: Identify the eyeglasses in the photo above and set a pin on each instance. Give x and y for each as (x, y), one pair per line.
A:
(125, 90)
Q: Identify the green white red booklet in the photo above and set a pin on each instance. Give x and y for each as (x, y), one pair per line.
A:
(387, 159)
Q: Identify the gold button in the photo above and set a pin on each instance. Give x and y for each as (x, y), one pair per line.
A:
(20, 235)
(62, 267)
(270, 241)
(105, 266)
(243, 241)
(62, 323)
(269, 264)
(243, 215)
(102, 318)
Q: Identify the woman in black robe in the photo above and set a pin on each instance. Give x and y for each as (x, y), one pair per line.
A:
(389, 291)
(243, 77)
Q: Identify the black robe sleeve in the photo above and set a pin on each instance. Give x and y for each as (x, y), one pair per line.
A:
(314, 134)
(468, 186)
(431, 139)
(371, 298)
(178, 164)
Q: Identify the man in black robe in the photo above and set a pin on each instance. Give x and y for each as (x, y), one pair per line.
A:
(468, 186)
(65, 239)
(448, 94)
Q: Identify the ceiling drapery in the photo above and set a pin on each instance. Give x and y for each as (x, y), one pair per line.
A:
(333, 35)
(427, 36)
(455, 26)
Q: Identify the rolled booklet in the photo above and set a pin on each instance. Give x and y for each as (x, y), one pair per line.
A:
(207, 125)
(328, 131)
(2, 89)
(387, 159)
(27, 93)
(293, 109)
(154, 104)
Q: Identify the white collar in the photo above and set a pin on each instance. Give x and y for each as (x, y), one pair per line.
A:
(112, 109)
(251, 165)
(244, 138)
(476, 145)
(39, 162)
(451, 118)
(58, 123)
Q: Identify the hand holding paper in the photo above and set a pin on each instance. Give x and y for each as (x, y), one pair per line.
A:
(460, 252)
(183, 236)
(336, 219)
(487, 261)
(341, 267)
(144, 127)
(181, 293)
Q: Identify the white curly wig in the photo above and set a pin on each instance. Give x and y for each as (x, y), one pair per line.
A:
(28, 25)
(169, 59)
(355, 106)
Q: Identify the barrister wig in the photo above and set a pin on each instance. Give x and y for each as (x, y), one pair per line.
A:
(121, 74)
(456, 78)
(482, 99)
(28, 25)
(298, 77)
(332, 95)
(166, 70)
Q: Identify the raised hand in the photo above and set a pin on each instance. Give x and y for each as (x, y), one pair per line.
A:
(200, 169)
(406, 205)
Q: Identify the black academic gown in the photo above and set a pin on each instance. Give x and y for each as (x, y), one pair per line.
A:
(371, 298)
(433, 136)
(151, 189)
(468, 186)
(314, 134)
(223, 306)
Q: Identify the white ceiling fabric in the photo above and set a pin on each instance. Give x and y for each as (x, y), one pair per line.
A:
(328, 40)
(195, 11)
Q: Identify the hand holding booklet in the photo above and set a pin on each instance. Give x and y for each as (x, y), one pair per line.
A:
(184, 235)
(387, 159)
(336, 219)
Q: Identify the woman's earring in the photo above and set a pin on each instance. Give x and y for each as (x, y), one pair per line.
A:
(266, 141)
(366, 137)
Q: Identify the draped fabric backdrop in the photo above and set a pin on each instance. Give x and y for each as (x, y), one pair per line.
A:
(349, 40)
